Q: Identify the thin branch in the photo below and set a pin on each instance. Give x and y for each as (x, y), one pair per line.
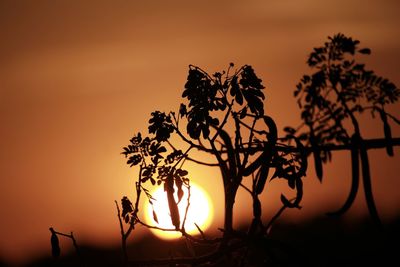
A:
(202, 163)
(276, 216)
(254, 130)
(224, 121)
(186, 152)
(393, 118)
(187, 208)
(121, 226)
(246, 188)
(200, 231)
(202, 240)
(369, 144)
(246, 155)
(222, 163)
(70, 236)
(184, 138)
(157, 227)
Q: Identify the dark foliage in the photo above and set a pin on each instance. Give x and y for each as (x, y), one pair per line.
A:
(223, 116)
(339, 90)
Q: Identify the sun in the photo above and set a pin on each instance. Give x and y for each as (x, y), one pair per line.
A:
(200, 212)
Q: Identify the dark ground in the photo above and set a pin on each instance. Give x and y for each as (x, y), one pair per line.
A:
(320, 242)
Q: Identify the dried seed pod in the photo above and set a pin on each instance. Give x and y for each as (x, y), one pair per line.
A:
(273, 131)
(317, 155)
(367, 185)
(355, 179)
(388, 133)
(173, 207)
(262, 176)
(55, 246)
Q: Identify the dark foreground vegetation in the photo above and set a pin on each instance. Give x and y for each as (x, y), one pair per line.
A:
(222, 116)
(319, 242)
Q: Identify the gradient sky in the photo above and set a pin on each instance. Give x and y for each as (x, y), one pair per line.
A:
(79, 78)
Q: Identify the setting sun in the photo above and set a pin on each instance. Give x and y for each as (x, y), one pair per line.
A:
(200, 212)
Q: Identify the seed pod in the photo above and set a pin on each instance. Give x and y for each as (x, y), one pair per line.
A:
(55, 246)
(262, 176)
(273, 131)
(355, 178)
(173, 207)
(230, 151)
(317, 155)
(388, 133)
(368, 187)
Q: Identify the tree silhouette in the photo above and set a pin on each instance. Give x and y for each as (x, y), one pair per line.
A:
(231, 100)
(339, 90)
(223, 117)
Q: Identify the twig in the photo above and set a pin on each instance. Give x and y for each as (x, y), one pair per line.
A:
(187, 208)
(74, 243)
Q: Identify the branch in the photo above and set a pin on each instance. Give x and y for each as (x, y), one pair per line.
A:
(187, 208)
(247, 189)
(121, 226)
(71, 236)
(202, 163)
(369, 144)
(273, 219)
(224, 121)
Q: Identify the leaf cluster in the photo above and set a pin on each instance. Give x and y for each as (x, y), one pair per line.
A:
(206, 93)
(339, 89)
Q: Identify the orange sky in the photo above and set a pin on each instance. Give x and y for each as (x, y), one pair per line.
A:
(78, 79)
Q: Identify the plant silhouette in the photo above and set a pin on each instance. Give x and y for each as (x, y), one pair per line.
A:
(232, 99)
(339, 90)
(223, 116)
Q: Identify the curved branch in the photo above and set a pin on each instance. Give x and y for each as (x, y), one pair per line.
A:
(202, 163)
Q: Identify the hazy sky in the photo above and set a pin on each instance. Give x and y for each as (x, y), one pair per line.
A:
(79, 78)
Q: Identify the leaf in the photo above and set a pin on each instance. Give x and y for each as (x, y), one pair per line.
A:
(134, 160)
(365, 51)
(127, 208)
(182, 110)
(263, 174)
(161, 125)
(155, 216)
(285, 201)
(239, 98)
(289, 130)
(181, 172)
(243, 113)
(273, 131)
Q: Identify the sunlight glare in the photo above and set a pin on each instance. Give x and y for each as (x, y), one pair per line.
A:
(200, 212)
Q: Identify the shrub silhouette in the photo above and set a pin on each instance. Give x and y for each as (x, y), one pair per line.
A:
(337, 91)
(223, 116)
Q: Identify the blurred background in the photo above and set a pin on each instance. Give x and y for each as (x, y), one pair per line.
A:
(79, 78)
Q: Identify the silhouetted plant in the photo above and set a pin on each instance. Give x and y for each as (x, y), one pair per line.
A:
(231, 100)
(338, 90)
(224, 117)
(55, 245)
